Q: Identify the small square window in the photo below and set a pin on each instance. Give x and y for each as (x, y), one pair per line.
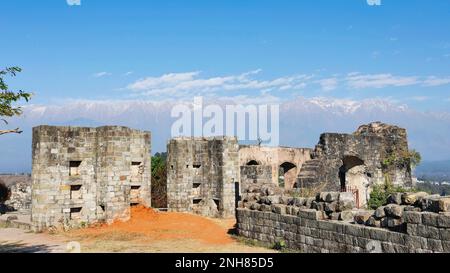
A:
(74, 168)
(75, 192)
(75, 213)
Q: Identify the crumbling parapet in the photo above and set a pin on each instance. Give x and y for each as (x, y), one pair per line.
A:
(85, 175)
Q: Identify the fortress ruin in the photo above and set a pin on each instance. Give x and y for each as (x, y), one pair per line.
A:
(83, 176)
(202, 170)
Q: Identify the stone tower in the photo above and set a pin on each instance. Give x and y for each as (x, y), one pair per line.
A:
(88, 175)
(202, 175)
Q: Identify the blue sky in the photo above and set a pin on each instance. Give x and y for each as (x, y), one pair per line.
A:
(347, 53)
(61, 48)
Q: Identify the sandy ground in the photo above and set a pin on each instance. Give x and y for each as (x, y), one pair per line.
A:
(19, 241)
(147, 231)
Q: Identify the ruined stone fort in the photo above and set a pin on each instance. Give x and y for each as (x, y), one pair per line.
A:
(313, 199)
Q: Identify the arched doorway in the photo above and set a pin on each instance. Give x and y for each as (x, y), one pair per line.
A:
(353, 176)
(252, 163)
(287, 175)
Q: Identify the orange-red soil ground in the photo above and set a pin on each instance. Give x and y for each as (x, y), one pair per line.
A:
(148, 224)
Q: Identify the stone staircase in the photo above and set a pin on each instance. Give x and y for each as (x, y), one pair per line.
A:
(308, 173)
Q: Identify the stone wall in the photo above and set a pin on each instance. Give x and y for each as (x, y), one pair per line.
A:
(202, 175)
(20, 197)
(85, 175)
(302, 230)
(254, 176)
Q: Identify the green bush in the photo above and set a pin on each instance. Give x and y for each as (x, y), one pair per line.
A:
(380, 194)
(280, 245)
(411, 158)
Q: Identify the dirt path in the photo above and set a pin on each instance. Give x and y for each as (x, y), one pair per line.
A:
(19, 241)
(147, 231)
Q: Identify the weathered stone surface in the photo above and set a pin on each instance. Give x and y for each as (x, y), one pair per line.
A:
(435, 245)
(444, 204)
(430, 219)
(347, 216)
(321, 196)
(20, 197)
(443, 221)
(444, 234)
(428, 232)
(430, 203)
(255, 206)
(394, 222)
(320, 206)
(373, 222)
(395, 198)
(346, 201)
(380, 213)
(285, 200)
(331, 207)
(274, 199)
(412, 198)
(412, 217)
(271, 190)
(265, 200)
(412, 208)
(264, 207)
(332, 197)
(309, 201)
(308, 214)
(279, 209)
(393, 210)
(335, 216)
(12, 218)
(361, 217)
(298, 202)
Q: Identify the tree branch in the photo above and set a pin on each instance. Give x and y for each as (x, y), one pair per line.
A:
(15, 131)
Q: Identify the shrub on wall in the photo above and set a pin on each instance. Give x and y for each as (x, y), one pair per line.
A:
(380, 193)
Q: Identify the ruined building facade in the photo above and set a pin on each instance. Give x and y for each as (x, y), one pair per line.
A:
(202, 174)
(274, 165)
(88, 175)
(375, 154)
(201, 171)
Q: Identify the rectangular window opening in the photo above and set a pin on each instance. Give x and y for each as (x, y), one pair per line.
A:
(74, 168)
(75, 191)
(75, 213)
